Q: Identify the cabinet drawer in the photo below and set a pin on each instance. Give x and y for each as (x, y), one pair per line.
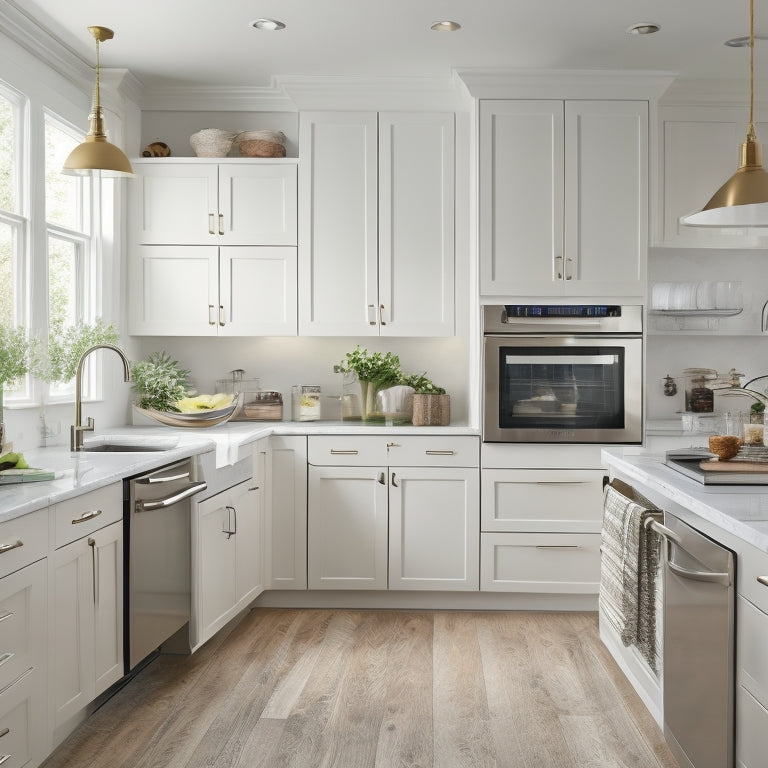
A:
(434, 451)
(348, 450)
(32, 531)
(82, 515)
(564, 563)
(752, 639)
(753, 577)
(542, 500)
(751, 729)
(22, 621)
(22, 723)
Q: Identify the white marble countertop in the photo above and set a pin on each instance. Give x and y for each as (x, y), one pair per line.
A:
(77, 473)
(740, 510)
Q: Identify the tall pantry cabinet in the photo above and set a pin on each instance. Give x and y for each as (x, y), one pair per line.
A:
(376, 224)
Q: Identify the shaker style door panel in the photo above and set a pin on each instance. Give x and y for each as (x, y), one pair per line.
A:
(174, 290)
(338, 189)
(175, 204)
(416, 224)
(521, 196)
(257, 291)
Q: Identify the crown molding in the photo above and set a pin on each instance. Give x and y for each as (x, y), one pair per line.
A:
(123, 83)
(217, 98)
(19, 26)
(733, 92)
(566, 83)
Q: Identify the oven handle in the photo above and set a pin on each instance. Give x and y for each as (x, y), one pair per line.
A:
(193, 488)
(547, 321)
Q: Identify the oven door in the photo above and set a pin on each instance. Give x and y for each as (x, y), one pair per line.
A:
(563, 389)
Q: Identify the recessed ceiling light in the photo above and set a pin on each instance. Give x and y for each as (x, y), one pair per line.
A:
(742, 42)
(268, 25)
(643, 28)
(446, 26)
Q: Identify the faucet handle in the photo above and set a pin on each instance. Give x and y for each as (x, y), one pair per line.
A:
(76, 434)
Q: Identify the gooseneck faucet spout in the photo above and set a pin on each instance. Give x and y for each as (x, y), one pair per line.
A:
(76, 433)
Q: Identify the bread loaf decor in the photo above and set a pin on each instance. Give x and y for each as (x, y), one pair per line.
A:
(724, 446)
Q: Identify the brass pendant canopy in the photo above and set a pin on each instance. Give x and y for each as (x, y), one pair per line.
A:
(743, 200)
(96, 153)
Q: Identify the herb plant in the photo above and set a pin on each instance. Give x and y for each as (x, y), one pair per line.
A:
(421, 384)
(383, 370)
(159, 382)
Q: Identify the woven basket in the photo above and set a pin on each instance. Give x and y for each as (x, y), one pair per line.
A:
(261, 143)
(212, 142)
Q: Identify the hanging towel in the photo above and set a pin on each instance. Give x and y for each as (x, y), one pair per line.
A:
(629, 574)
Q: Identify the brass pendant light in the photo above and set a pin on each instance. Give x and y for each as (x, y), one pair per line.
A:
(96, 153)
(743, 200)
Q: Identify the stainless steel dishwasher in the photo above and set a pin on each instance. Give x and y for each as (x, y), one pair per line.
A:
(158, 578)
(698, 671)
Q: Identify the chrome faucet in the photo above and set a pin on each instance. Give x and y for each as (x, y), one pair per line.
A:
(76, 433)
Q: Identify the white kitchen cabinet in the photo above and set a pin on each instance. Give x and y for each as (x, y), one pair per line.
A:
(411, 522)
(209, 291)
(563, 197)
(214, 202)
(376, 230)
(86, 617)
(286, 519)
(227, 541)
(347, 528)
(700, 151)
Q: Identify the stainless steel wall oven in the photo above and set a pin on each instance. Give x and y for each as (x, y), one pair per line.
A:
(563, 374)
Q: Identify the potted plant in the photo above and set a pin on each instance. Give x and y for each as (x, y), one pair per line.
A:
(431, 405)
(374, 371)
(15, 352)
(159, 382)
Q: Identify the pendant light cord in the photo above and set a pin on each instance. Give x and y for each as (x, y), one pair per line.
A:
(751, 132)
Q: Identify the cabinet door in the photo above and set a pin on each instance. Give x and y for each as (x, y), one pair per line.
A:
(173, 290)
(606, 197)
(247, 501)
(257, 203)
(521, 196)
(434, 528)
(416, 224)
(216, 563)
(347, 528)
(286, 519)
(338, 189)
(107, 565)
(175, 204)
(257, 291)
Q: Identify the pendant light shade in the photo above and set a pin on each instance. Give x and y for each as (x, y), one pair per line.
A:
(743, 200)
(96, 153)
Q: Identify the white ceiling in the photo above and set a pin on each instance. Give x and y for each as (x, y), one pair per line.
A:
(196, 43)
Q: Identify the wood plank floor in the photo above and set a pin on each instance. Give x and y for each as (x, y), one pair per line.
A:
(392, 689)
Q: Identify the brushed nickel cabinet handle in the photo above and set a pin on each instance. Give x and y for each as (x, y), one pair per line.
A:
(559, 267)
(6, 657)
(4, 732)
(86, 516)
(763, 580)
(334, 452)
(94, 570)
(440, 453)
(393, 445)
(381, 315)
(381, 478)
(393, 481)
(568, 275)
(221, 223)
(6, 615)
(230, 531)
(371, 314)
(5, 758)
(222, 319)
(557, 546)
(211, 319)
(8, 547)
(210, 224)
(254, 488)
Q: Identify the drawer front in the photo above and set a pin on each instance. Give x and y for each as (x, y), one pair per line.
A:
(752, 580)
(434, 451)
(542, 500)
(751, 656)
(22, 621)
(751, 729)
(23, 541)
(557, 563)
(85, 514)
(347, 450)
(22, 723)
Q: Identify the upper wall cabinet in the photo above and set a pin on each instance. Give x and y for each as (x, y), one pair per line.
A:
(376, 224)
(214, 203)
(563, 197)
(700, 151)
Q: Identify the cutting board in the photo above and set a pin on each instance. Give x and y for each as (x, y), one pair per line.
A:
(30, 475)
(733, 466)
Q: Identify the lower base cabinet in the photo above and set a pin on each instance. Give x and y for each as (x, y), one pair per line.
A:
(23, 736)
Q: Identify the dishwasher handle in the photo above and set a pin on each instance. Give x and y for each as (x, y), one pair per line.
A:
(710, 576)
(190, 490)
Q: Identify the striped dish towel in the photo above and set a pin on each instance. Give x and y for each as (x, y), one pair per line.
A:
(629, 575)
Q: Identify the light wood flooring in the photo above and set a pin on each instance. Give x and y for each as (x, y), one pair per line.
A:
(390, 689)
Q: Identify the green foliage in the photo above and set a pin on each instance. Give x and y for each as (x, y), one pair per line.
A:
(67, 345)
(381, 369)
(15, 351)
(159, 382)
(421, 384)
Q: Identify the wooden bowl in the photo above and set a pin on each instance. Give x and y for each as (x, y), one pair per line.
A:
(724, 446)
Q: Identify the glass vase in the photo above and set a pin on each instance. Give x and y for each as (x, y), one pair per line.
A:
(368, 412)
